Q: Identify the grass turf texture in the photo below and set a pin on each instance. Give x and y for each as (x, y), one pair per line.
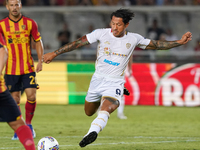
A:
(147, 127)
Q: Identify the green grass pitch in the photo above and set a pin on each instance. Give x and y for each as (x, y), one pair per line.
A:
(147, 127)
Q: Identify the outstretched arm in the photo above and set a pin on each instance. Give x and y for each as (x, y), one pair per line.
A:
(164, 45)
(47, 58)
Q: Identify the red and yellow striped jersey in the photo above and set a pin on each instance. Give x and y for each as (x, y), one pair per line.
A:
(2, 82)
(18, 36)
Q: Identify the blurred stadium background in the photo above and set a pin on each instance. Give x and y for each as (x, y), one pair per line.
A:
(66, 79)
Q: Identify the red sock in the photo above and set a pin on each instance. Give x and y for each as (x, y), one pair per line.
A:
(30, 109)
(25, 136)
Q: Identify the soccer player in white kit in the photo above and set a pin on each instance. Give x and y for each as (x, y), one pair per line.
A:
(113, 52)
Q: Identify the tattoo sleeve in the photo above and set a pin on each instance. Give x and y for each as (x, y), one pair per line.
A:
(72, 46)
(164, 45)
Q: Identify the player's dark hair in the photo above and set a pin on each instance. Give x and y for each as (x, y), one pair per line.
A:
(125, 14)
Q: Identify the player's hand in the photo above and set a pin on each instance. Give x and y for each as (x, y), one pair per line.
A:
(126, 92)
(186, 38)
(48, 57)
(39, 67)
(129, 73)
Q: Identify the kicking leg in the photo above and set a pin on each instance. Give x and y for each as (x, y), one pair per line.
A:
(91, 107)
(108, 105)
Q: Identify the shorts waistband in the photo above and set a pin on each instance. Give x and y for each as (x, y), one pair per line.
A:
(108, 76)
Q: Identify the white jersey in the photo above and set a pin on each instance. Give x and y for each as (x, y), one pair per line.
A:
(113, 53)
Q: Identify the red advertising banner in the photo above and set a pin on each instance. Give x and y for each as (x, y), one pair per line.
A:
(166, 84)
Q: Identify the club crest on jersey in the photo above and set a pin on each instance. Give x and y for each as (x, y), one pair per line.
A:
(23, 27)
(128, 45)
(107, 51)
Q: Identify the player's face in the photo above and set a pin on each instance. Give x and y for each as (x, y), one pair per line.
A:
(14, 7)
(118, 27)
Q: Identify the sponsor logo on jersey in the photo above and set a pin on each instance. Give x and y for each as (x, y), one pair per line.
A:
(18, 40)
(17, 32)
(9, 27)
(107, 42)
(122, 55)
(108, 52)
(111, 62)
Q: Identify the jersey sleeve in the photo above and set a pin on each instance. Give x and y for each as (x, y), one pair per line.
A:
(142, 42)
(94, 36)
(2, 41)
(34, 32)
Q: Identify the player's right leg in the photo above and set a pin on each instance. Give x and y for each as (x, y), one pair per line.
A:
(24, 133)
(10, 113)
(13, 82)
(16, 96)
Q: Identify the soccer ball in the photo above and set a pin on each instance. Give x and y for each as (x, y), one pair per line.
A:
(48, 143)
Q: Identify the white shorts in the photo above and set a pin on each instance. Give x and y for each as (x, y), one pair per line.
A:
(101, 86)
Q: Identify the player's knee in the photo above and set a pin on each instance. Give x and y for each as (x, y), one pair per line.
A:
(31, 97)
(16, 124)
(117, 103)
(89, 113)
(17, 99)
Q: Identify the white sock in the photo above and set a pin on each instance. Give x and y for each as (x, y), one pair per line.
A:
(120, 109)
(99, 122)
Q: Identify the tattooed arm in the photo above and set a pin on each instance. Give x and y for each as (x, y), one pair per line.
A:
(47, 58)
(163, 45)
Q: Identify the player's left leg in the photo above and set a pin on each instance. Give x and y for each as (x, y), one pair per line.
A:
(91, 107)
(30, 104)
(108, 105)
(10, 113)
(30, 107)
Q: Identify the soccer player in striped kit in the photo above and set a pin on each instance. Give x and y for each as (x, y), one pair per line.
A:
(115, 47)
(20, 71)
(9, 111)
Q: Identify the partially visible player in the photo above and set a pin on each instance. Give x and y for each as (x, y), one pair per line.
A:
(120, 109)
(114, 50)
(9, 111)
(20, 71)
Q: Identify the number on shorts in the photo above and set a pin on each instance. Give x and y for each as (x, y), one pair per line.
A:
(32, 80)
(118, 91)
